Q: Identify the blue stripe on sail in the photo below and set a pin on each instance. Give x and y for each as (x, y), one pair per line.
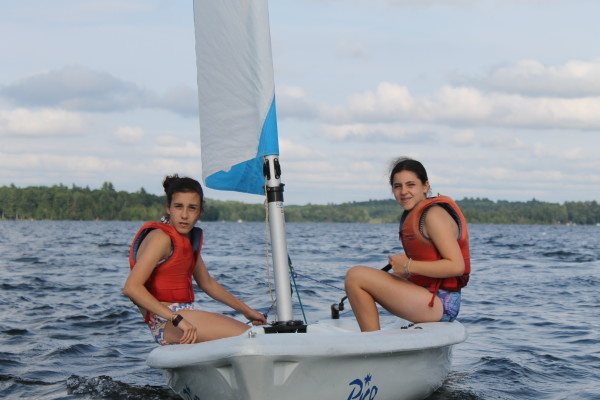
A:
(247, 177)
(269, 143)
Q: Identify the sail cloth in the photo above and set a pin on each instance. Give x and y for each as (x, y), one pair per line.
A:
(236, 92)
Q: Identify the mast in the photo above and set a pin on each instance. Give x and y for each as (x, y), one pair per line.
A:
(238, 119)
(274, 188)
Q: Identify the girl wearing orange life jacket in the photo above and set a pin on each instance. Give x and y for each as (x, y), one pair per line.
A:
(424, 284)
(163, 259)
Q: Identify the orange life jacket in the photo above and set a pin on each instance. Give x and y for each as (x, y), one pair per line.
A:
(171, 281)
(420, 248)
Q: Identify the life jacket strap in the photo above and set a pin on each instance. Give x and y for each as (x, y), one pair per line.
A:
(434, 289)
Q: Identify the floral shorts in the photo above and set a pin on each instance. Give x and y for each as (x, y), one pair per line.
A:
(157, 323)
(451, 303)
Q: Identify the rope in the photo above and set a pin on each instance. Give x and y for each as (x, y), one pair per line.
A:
(321, 282)
(292, 274)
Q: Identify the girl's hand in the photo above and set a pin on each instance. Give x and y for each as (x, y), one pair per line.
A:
(189, 332)
(256, 317)
(398, 261)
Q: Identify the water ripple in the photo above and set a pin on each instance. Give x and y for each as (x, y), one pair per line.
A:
(529, 307)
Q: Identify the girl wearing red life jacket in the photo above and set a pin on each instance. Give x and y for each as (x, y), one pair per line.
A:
(424, 284)
(163, 259)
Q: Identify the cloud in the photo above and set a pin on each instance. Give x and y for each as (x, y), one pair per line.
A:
(44, 122)
(52, 163)
(81, 13)
(465, 106)
(389, 102)
(170, 146)
(529, 77)
(384, 132)
(79, 88)
(552, 153)
(351, 49)
(526, 95)
(293, 102)
(181, 100)
(295, 151)
(519, 176)
(129, 134)
(426, 3)
(463, 138)
(158, 166)
(504, 143)
(76, 88)
(113, 7)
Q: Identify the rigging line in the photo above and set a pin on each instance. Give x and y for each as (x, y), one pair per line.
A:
(266, 314)
(387, 268)
(321, 282)
(292, 273)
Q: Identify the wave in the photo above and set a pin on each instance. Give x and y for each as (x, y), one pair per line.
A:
(105, 387)
(71, 334)
(76, 349)
(28, 260)
(100, 387)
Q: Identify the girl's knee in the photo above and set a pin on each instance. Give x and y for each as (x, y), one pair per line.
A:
(355, 274)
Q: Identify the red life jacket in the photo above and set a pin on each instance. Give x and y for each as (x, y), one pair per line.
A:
(171, 281)
(420, 248)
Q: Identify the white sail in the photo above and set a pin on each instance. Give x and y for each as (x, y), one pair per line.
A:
(238, 124)
(236, 93)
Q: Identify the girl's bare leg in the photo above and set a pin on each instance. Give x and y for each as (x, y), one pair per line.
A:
(367, 286)
(361, 300)
(210, 326)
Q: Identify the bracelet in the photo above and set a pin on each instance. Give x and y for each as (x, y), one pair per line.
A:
(176, 319)
(407, 267)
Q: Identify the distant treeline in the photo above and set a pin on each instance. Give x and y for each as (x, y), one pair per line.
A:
(60, 202)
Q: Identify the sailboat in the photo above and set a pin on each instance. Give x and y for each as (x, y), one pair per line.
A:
(329, 359)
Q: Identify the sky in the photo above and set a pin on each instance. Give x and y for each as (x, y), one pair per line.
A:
(499, 99)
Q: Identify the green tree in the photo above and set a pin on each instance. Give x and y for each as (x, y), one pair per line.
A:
(75, 203)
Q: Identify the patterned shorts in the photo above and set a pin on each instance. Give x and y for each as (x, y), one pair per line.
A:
(451, 303)
(157, 323)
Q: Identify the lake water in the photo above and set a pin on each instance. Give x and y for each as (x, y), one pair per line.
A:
(532, 307)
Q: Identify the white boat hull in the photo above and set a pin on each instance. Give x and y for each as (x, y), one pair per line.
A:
(330, 361)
